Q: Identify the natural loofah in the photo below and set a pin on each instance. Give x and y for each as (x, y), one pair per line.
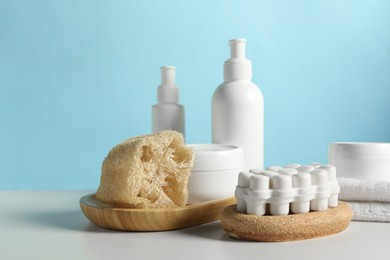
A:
(149, 171)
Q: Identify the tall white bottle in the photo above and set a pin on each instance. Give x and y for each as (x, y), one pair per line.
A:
(238, 108)
(167, 114)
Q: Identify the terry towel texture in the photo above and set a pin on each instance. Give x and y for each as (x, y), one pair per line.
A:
(370, 200)
(370, 211)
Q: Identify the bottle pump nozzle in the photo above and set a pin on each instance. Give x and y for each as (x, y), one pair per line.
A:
(238, 66)
(237, 48)
(168, 91)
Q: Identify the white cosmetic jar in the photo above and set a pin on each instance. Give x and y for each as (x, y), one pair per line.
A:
(366, 161)
(215, 172)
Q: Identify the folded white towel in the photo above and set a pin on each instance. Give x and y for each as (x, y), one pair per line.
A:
(370, 211)
(363, 190)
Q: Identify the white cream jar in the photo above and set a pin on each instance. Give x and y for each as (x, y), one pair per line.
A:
(366, 161)
(215, 172)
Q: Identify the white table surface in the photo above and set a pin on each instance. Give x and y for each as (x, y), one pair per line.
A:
(50, 225)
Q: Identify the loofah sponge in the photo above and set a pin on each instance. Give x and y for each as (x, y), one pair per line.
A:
(149, 171)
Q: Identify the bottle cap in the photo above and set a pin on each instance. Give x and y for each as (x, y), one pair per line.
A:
(238, 66)
(168, 91)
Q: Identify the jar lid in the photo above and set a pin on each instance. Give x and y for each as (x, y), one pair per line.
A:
(359, 150)
(217, 157)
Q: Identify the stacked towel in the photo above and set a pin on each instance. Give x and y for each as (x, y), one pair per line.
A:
(370, 200)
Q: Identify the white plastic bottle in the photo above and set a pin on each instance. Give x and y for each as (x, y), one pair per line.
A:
(167, 114)
(238, 108)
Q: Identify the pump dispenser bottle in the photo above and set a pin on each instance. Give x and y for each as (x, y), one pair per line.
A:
(238, 108)
(167, 114)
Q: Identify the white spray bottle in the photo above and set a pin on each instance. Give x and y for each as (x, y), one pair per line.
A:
(167, 114)
(238, 108)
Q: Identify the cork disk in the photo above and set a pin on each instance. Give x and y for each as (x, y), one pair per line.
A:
(286, 228)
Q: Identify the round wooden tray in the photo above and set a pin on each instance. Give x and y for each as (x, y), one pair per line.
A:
(286, 228)
(128, 219)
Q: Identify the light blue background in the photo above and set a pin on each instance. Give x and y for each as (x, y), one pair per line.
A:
(78, 76)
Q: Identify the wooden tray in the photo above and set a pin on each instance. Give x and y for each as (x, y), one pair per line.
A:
(286, 228)
(128, 219)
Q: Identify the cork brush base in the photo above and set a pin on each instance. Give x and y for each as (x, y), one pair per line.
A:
(128, 219)
(285, 228)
